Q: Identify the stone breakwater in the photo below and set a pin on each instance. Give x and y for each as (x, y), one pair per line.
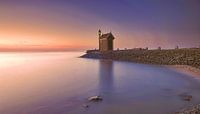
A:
(190, 56)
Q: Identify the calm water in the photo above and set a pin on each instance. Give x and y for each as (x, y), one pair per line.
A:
(60, 83)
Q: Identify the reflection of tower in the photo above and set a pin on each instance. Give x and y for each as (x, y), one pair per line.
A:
(105, 76)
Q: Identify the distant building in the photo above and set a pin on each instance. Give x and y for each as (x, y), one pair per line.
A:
(105, 41)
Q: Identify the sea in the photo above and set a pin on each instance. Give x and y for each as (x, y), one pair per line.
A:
(62, 82)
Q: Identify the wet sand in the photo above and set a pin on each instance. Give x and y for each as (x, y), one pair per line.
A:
(186, 69)
(195, 73)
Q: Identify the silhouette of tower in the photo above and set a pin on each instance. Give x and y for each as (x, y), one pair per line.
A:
(105, 41)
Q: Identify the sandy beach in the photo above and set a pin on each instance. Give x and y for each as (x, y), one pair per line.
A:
(191, 71)
(186, 69)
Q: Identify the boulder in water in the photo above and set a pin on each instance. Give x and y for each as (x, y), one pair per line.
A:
(95, 98)
(186, 97)
(85, 106)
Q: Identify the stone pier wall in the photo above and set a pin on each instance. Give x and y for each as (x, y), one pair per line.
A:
(189, 56)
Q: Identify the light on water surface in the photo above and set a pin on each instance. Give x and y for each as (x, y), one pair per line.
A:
(57, 83)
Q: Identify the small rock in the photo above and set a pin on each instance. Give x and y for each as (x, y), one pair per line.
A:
(85, 106)
(186, 97)
(95, 98)
(190, 110)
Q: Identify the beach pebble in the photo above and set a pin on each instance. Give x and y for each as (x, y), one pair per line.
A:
(85, 106)
(186, 97)
(95, 98)
(190, 110)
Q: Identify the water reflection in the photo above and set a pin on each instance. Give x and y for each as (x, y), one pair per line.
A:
(106, 76)
(30, 84)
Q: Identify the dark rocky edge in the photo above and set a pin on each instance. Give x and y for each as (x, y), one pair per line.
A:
(186, 56)
(190, 110)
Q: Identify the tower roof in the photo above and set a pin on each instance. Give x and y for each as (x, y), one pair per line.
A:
(107, 35)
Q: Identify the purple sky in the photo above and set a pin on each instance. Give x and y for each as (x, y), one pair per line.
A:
(74, 23)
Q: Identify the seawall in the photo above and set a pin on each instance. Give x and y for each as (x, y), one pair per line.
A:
(186, 56)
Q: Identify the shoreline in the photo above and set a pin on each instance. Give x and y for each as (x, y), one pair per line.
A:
(186, 61)
(186, 69)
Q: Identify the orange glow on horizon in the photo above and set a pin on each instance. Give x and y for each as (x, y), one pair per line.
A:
(72, 27)
(32, 29)
(41, 37)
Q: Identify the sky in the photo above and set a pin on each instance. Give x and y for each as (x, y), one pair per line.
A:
(73, 24)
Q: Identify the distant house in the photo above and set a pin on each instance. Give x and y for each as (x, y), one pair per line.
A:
(106, 41)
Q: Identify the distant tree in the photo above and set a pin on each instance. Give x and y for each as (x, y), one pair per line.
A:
(147, 48)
